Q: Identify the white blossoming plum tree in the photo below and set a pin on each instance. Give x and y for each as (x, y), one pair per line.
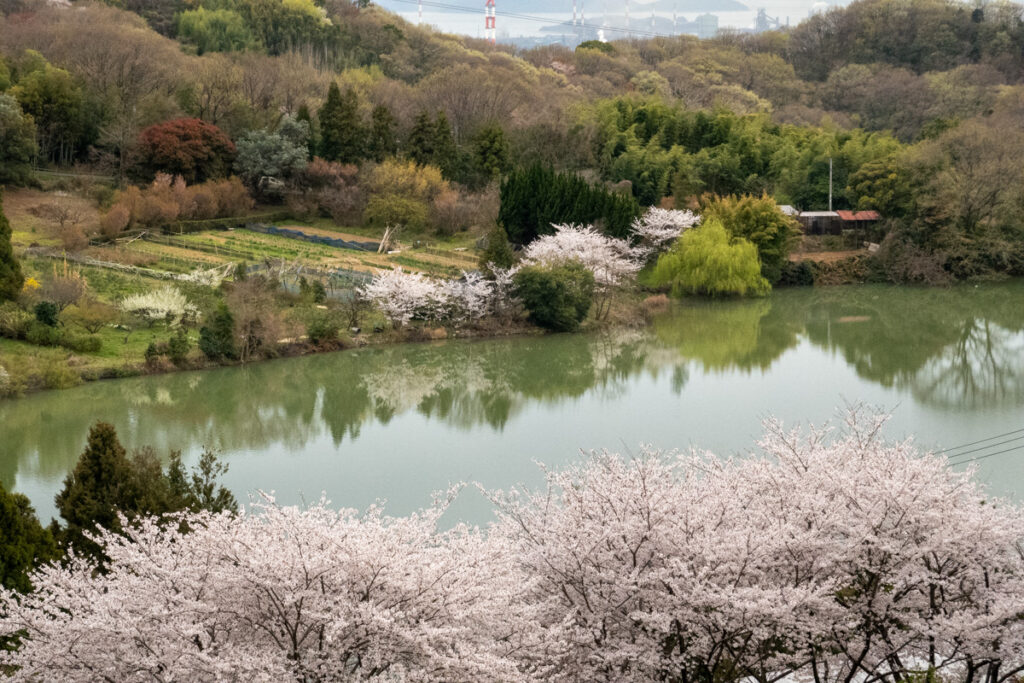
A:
(166, 304)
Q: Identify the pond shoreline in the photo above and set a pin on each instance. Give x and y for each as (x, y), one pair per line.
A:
(300, 348)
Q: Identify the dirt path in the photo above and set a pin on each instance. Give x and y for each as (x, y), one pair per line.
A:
(826, 256)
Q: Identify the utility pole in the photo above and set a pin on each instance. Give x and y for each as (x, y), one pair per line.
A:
(830, 184)
(420, 20)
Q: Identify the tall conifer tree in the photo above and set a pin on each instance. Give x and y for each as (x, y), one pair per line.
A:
(446, 155)
(11, 278)
(95, 490)
(421, 140)
(341, 131)
(24, 543)
(382, 134)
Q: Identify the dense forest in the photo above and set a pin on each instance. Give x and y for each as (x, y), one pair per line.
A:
(917, 103)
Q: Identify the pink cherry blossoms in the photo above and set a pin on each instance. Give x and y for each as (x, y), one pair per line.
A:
(830, 555)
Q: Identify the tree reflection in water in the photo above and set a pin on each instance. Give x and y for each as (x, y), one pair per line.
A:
(961, 348)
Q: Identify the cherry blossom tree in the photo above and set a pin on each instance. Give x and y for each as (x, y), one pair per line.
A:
(829, 554)
(399, 294)
(403, 296)
(927, 566)
(278, 594)
(833, 554)
(612, 261)
(658, 228)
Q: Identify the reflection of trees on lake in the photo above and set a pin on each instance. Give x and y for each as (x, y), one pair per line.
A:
(955, 348)
(958, 347)
(293, 402)
(982, 368)
(746, 335)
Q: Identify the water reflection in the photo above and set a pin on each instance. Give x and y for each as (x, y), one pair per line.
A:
(293, 402)
(959, 349)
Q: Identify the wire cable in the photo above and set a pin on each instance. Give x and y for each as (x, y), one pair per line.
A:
(985, 448)
(981, 441)
(988, 455)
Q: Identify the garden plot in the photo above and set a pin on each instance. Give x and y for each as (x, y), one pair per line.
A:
(246, 245)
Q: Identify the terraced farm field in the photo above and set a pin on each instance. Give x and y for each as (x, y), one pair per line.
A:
(178, 252)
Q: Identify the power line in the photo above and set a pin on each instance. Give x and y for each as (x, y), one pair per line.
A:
(989, 455)
(530, 17)
(975, 443)
(985, 448)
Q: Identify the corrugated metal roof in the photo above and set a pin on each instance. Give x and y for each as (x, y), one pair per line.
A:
(819, 214)
(788, 210)
(859, 215)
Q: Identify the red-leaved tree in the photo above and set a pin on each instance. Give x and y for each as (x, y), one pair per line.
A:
(190, 148)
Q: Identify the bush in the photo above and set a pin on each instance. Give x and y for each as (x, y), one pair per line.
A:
(395, 210)
(14, 320)
(799, 274)
(706, 260)
(81, 343)
(322, 330)
(57, 375)
(178, 347)
(169, 199)
(760, 221)
(46, 312)
(406, 179)
(557, 298)
(153, 352)
(115, 221)
(217, 338)
(41, 334)
(497, 251)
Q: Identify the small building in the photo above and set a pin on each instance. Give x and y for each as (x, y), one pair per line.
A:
(859, 220)
(789, 210)
(821, 222)
(838, 222)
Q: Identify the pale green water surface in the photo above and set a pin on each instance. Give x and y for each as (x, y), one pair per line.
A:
(398, 423)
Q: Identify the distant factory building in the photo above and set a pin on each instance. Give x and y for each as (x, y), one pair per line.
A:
(707, 26)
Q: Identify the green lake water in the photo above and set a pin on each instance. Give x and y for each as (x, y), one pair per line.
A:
(397, 423)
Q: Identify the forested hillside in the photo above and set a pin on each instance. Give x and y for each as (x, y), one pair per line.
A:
(917, 102)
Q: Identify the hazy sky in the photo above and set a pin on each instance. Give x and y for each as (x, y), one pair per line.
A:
(471, 22)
